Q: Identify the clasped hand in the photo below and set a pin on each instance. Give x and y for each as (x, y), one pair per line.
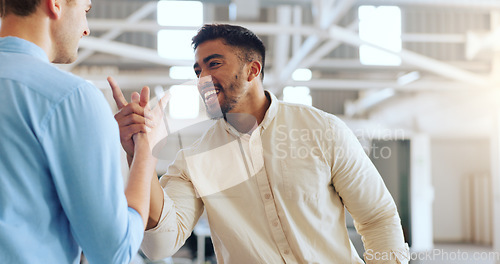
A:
(137, 117)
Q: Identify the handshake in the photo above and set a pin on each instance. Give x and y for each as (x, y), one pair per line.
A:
(138, 116)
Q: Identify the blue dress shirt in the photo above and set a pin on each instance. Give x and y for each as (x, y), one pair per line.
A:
(61, 188)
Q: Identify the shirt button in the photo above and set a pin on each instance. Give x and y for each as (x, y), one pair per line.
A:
(287, 251)
(275, 223)
(267, 196)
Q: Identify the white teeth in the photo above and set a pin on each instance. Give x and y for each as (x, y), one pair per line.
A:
(208, 94)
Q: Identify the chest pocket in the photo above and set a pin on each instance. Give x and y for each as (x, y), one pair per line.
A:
(304, 179)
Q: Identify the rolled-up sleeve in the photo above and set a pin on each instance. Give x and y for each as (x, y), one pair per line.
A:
(366, 197)
(181, 211)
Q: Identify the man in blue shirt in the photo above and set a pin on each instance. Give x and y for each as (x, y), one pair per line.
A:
(61, 189)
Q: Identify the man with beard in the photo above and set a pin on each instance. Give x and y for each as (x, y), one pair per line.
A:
(273, 177)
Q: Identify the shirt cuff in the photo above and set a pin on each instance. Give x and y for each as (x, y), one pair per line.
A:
(391, 256)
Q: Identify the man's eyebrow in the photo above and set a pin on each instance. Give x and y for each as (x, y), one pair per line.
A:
(213, 56)
(207, 59)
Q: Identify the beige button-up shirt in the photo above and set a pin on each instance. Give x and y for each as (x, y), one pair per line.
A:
(278, 195)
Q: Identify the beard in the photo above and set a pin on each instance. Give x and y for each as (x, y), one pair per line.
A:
(228, 102)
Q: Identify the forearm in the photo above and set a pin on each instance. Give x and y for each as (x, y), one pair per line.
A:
(166, 237)
(156, 203)
(139, 183)
(383, 237)
(181, 210)
(400, 255)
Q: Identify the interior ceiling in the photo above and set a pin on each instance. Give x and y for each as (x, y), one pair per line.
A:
(449, 48)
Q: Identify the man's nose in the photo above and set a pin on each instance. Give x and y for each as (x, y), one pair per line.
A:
(204, 81)
(86, 32)
(204, 73)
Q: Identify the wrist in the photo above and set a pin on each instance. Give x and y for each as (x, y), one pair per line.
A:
(130, 158)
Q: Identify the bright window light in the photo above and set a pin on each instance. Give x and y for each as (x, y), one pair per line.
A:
(182, 72)
(297, 95)
(380, 26)
(184, 102)
(176, 44)
(302, 75)
(180, 13)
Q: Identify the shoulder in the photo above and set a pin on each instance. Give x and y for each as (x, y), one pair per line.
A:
(43, 78)
(307, 114)
(61, 84)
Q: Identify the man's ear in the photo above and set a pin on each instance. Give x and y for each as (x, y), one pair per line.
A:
(254, 69)
(54, 8)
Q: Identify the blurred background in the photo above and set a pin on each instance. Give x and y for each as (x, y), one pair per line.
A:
(418, 81)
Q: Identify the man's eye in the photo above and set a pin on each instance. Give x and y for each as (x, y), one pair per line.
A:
(212, 64)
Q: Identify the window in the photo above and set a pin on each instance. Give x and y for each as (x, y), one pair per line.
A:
(182, 73)
(302, 75)
(176, 44)
(380, 26)
(297, 95)
(180, 13)
(184, 102)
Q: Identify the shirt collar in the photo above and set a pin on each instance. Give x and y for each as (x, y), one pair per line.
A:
(18, 45)
(271, 111)
(268, 117)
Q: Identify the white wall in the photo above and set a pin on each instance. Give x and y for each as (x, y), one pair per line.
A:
(452, 161)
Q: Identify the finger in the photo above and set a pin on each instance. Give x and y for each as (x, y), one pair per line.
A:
(157, 112)
(144, 96)
(117, 93)
(128, 131)
(129, 109)
(135, 98)
(164, 100)
(134, 119)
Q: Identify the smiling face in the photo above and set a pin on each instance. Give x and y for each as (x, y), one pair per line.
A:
(69, 29)
(222, 78)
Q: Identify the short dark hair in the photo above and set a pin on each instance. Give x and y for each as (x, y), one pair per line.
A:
(18, 7)
(250, 45)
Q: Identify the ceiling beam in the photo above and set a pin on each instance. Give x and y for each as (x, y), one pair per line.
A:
(130, 51)
(367, 84)
(412, 58)
(262, 29)
(355, 64)
(258, 28)
(306, 48)
(297, 22)
(333, 15)
(138, 15)
(282, 42)
(328, 17)
(367, 101)
(134, 80)
(325, 49)
(486, 5)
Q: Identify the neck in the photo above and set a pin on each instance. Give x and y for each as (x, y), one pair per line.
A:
(33, 28)
(247, 121)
